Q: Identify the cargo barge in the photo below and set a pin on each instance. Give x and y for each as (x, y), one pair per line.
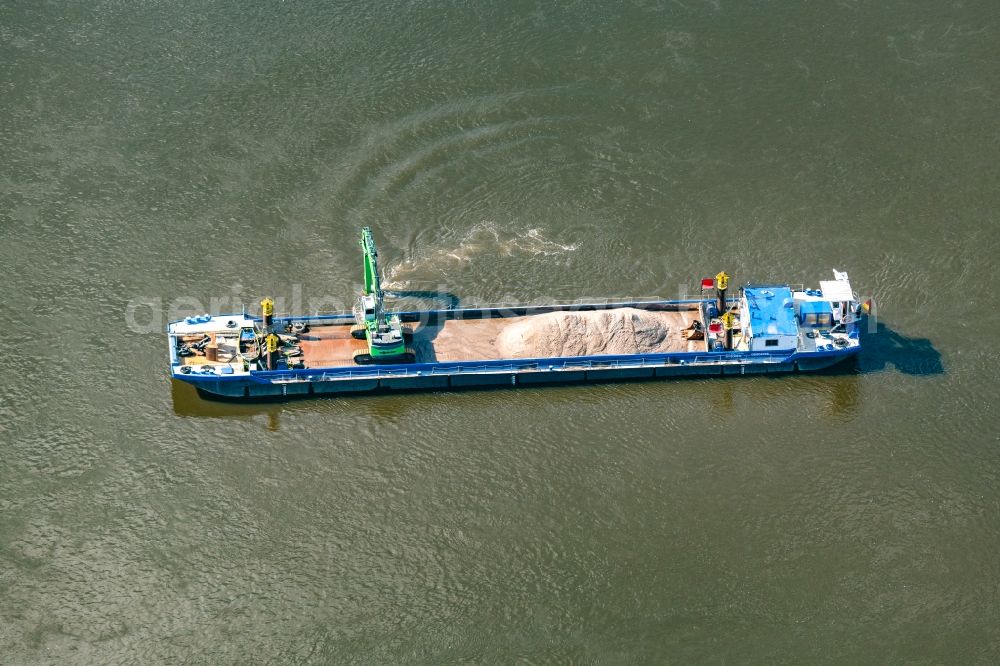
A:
(765, 328)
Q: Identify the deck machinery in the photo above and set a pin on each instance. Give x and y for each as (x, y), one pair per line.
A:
(384, 332)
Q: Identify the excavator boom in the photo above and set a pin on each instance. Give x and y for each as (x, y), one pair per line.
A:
(372, 282)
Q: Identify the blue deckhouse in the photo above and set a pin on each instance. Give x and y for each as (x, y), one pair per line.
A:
(768, 314)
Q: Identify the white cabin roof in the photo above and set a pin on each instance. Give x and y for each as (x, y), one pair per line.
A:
(217, 324)
(838, 289)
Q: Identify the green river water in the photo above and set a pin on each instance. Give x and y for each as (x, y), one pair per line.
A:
(160, 158)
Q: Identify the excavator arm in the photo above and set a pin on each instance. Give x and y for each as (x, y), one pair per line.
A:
(372, 283)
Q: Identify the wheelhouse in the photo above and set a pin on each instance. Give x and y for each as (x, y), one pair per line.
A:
(816, 314)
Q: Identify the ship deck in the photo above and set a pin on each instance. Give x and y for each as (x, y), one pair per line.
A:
(456, 340)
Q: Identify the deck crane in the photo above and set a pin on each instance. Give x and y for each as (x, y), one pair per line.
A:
(383, 331)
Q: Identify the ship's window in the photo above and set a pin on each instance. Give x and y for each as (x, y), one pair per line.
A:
(771, 343)
(825, 319)
(809, 319)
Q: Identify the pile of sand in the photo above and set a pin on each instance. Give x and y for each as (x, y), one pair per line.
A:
(619, 331)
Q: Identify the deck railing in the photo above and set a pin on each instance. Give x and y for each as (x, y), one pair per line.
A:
(528, 365)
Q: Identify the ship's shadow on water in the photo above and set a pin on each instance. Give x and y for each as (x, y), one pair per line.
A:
(886, 349)
(441, 299)
(911, 356)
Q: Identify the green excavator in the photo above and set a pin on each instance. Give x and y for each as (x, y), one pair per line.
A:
(383, 331)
